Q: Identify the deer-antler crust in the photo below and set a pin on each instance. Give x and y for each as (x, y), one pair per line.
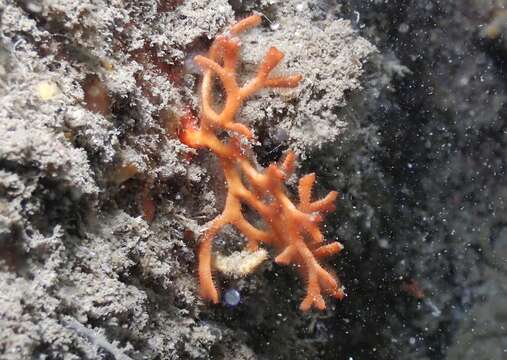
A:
(293, 230)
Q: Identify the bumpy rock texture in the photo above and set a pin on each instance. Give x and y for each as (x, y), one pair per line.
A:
(101, 206)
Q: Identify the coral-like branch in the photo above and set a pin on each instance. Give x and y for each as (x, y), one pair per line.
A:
(293, 230)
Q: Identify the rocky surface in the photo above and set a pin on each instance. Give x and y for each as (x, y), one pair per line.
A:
(402, 110)
(100, 204)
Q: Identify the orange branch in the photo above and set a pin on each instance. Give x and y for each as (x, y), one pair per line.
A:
(292, 230)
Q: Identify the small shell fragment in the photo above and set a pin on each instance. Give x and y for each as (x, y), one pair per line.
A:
(240, 263)
(46, 90)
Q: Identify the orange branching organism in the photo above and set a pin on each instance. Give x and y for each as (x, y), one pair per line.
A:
(292, 229)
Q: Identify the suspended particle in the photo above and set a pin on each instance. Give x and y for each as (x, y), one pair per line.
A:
(232, 297)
